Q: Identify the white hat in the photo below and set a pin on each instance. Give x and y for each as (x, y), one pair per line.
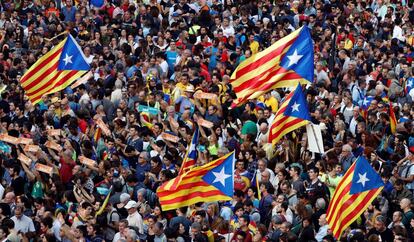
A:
(190, 88)
(131, 204)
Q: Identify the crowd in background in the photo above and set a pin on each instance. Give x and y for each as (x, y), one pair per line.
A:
(159, 54)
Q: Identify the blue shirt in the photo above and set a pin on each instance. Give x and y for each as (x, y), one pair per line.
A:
(184, 103)
(131, 71)
(171, 59)
(141, 170)
(69, 14)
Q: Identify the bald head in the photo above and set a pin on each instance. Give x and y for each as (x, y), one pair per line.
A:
(405, 204)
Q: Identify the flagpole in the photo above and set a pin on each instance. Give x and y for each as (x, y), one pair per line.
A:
(64, 32)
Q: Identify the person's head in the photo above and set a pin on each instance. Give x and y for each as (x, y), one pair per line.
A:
(265, 175)
(262, 165)
(313, 173)
(346, 150)
(122, 225)
(4, 231)
(405, 204)
(285, 227)
(285, 187)
(18, 212)
(380, 223)
(200, 216)
(131, 236)
(244, 221)
(322, 220)
(397, 217)
(158, 228)
(131, 207)
(294, 171)
(195, 229)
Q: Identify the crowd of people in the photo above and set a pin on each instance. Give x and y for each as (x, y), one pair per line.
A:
(162, 68)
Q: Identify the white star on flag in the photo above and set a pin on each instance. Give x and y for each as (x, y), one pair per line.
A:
(362, 179)
(68, 59)
(365, 102)
(294, 58)
(295, 107)
(221, 176)
(410, 83)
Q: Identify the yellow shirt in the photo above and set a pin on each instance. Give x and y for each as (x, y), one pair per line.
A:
(254, 47)
(271, 102)
(182, 87)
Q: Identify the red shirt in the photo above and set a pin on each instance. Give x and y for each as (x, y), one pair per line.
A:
(65, 170)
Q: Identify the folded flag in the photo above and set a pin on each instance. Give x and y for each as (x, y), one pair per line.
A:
(189, 160)
(354, 193)
(409, 84)
(393, 120)
(54, 71)
(283, 64)
(211, 182)
(365, 106)
(292, 114)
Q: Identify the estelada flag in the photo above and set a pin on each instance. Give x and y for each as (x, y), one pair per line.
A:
(359, 186)
(54, 71)
(284, 64)
(211, 182)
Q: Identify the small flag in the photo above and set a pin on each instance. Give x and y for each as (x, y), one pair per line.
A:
(292, 114)
(409, 84)
(365, 106)
(97, 135)
(393, 120)
(189, 161)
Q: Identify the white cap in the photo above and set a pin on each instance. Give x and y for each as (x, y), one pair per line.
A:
(131, 204)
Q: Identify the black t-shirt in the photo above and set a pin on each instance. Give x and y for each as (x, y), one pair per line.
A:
(18, 186)
(386, 235)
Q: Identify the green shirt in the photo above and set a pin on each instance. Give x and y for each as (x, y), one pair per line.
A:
(249, 127)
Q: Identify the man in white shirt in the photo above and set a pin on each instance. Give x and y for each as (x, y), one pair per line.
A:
(123, 229)
(134, 218)
(22, 223)
(161, 59)
(323, 230)
(228, 30)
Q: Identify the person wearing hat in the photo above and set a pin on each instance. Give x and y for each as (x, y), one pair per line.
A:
(186, 101)
(134, 218)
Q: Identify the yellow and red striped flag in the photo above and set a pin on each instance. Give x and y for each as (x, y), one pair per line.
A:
(292, 114)
(97, 135)
(189, 161)
(354, 193)
(393, 120)
(211, 182)
(283, 64)
(54, 71)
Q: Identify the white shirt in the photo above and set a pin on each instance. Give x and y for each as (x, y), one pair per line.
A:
(164, 67)
(24, 224)
(352, 126)
(228, 31)
(397, 33)
(323, 231)
(1, 191)
(135, 219)
(117, 237)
